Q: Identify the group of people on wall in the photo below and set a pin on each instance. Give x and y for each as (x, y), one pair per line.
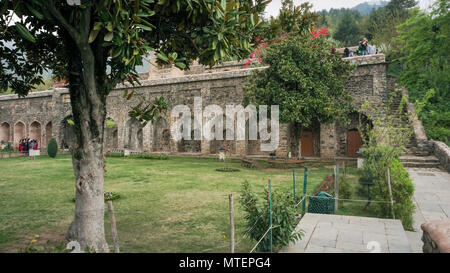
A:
(27, 144)
(364, 48)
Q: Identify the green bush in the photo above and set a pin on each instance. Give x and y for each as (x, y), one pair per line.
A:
(345, 189)
(149, 156)
(109, 154)
(284, 218)
(52, 148)
(374, 173)
(402, 194)
(108, 196)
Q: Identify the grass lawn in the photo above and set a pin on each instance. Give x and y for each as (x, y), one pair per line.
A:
(175, 205)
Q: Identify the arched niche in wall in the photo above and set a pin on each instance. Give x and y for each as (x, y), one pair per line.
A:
(111, 134)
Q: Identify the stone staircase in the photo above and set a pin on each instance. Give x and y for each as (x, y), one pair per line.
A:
(328, 233)
(413, 161)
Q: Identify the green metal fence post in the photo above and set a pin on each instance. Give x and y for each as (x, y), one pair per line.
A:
(305, 181)
(270, 215)
(293, 180)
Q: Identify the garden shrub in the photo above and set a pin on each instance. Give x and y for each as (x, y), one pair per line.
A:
(402, 194)
(345, 189)
(52, 148)
(150, 156)
(108, 196)
(110, 154)
(384, 142)
(327, 185)
(284, 218)
(374, 171)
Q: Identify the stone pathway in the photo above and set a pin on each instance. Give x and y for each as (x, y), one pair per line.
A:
(432, 199)
(326, 233)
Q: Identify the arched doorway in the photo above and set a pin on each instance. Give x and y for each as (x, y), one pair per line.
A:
(36, 132)
(253, 145)
(190, 145)
(216, 144)
(307, 143)
(67, 133)
(354, 142)
(48, 133)
(310, 141)
(133, 135)
(112, 134)
(19, 133)
(4, 132)
(161, 135)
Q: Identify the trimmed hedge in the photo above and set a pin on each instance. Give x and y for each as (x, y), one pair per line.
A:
(52, 148)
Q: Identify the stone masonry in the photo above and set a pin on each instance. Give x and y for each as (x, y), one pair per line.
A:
(42, 115)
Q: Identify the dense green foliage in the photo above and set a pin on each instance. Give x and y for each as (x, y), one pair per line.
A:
(383, 143)
(304, 78)
(349, 26)
(256, 212)
(52, 148)
(348, 31)
(336, 19)
(297, 20)
(423, 55)
(377, 160)
(381, 24)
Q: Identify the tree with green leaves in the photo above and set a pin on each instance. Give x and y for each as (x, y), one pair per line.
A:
(292, 19)
(348, 31)
(382, 24)
(384, 141)
(423, 53)
(305, 79)
(96, 45)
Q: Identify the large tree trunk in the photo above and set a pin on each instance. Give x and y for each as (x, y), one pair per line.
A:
(88, 100)
(294, 139)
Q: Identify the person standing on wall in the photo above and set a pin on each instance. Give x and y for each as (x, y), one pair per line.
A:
(372, 48)
(364, 46)
(346, 52)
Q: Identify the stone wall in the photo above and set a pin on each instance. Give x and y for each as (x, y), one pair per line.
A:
(221, 86)
(436, 236)
(442, 152)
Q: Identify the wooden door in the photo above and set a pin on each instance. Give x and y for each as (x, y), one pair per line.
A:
(307, 143)
(354, 143)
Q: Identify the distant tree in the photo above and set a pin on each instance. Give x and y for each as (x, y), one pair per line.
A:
(96, 45)
(348, 31)
(382, 22)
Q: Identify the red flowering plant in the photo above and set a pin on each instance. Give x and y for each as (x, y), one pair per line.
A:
(327, 185)
(317, 33)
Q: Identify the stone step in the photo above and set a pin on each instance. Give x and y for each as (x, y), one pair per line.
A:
(327, 233)
(421, 159)
(421, 165)
(412, 161)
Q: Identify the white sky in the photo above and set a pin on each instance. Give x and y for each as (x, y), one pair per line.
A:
(318, 5)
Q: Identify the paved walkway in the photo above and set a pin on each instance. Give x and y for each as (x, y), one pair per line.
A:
(326, 233)
(432, 198)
